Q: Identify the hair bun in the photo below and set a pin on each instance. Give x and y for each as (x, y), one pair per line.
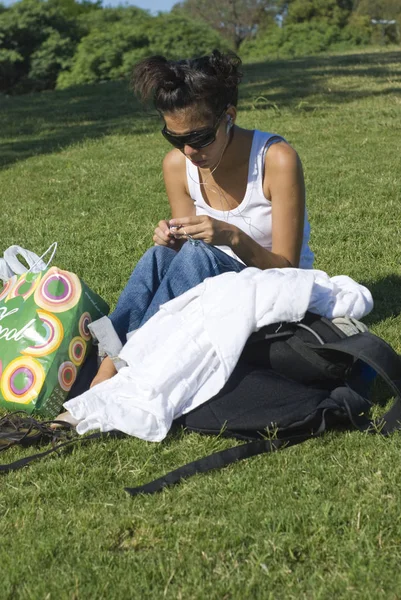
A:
(225, 65)
(210, 82)
(174, 77)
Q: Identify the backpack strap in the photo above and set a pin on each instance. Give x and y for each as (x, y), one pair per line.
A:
(379, 355)
(23, 462)
(21, 429)
(219, 460)
(373, 351)
(227, 457)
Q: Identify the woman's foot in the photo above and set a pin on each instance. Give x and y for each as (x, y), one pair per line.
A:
(66, 417)
(106, 371)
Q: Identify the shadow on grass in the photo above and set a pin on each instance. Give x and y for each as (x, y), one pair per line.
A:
(299, 78)
(45, 122)
(386, 294)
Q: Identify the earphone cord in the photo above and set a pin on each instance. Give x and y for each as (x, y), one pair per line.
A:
(217, 189)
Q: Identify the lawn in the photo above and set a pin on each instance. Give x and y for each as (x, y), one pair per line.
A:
(322, 520)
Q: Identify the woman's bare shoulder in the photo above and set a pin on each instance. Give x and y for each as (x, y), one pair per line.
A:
(174, 161)
(175, 173)
(282, 155)
(283, 167)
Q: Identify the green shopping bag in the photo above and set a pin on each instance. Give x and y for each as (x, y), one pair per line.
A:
(44, 338)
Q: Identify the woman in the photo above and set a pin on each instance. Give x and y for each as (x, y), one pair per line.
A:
(236, 195)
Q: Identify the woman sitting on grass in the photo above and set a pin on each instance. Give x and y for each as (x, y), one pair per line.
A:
(236, 195)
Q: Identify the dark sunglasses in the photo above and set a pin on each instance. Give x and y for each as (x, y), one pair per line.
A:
(196, 139)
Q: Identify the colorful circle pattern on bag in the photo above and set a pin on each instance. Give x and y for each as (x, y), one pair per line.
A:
(59, 291)
(83, 326)
(76, 350)
(23, 287)
(67, 374)
(5, 291)
(54, 334)
(22, 380)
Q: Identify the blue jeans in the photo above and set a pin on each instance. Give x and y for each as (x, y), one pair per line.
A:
(163, 274)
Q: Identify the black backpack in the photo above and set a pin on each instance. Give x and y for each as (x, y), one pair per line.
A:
(293, 381)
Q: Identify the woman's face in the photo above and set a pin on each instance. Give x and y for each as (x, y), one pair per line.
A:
(186, 121)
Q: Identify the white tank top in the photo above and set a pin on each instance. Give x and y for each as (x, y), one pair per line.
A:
(254, 214)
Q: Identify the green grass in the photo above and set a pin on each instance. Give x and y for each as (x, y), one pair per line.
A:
(322, 520)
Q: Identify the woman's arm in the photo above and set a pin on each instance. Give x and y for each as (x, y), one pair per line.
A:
(284, 186)
(181, 204)
(175, 179)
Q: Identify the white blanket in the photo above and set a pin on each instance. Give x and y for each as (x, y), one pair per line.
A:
(184, 354)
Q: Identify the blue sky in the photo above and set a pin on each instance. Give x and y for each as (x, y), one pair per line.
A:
(152, 5)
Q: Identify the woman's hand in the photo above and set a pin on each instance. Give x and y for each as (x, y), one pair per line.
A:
(205, 228)
(163, 236)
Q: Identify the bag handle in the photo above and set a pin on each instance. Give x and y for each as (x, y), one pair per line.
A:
(34, 261)
(5, 271)
(53, 248)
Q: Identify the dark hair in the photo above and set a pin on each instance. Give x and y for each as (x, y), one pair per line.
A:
(211, 81)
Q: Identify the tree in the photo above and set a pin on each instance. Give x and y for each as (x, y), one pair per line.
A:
(310, 27)
(386, 17)
(9, 67)
(101, 19)
(236, 20)
(110, 52)
(293, 40)
(103, 54)
(331, 12)
(37, 38)
(176, 36)
(379, 9)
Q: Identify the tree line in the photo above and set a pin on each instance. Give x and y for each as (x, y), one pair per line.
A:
(46, 44)
(239, 21)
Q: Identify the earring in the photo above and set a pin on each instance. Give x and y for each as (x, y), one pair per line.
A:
(229, 124)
